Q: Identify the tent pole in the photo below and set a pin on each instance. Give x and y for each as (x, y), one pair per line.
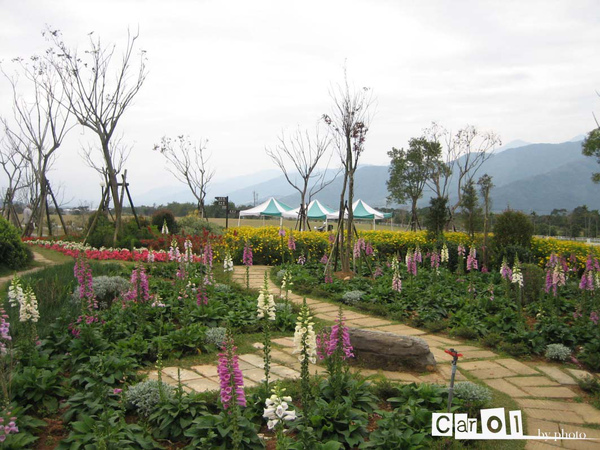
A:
(239, 219)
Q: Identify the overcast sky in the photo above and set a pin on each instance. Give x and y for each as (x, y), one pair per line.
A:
(239, 72)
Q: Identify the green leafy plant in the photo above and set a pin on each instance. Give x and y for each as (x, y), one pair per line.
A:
(558, 352)
(144, 396)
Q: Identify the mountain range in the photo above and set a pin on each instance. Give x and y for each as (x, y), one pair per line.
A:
(527, 177)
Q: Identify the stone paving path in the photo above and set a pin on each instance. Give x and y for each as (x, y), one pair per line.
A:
(545, 393)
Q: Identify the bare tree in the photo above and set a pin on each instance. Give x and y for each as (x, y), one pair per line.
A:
(39, 126)
(14, 166)
(99, 89)
(304, 152)
(349, 121)
(189, 164)
(466, 151)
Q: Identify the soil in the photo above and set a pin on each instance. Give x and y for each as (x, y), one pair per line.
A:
(52, 434)
(344, 275)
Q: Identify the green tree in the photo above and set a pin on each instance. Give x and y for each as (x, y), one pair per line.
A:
(437, 217)
(513, 228)
(591, 147)
(409, 171)
(471, 211)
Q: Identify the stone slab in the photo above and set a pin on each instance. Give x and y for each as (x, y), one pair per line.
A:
(588, 412)
(505, 387)
(479, 354)
(540, 445)
(494, 372)
(580, 374)
(441, 339)
(553, 415)
(284, 342)
(185, 374)
(440, 355)
(251, 358)
(258, 375)
(550, 392)
(446, 371)
(516, 366)
(478, 365)
(203, 385)
(532, 381)
(284, 372)
(536, 426)
(206, 370)
(544, 404)
(556, 374)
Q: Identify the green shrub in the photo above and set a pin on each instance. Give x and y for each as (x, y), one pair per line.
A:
(474, 396)
(103, 232)
(533, 282)
(131, 235)
(491, 340)
(352, 298)
(512, 228)
(515, 349)
(106, 289)
(557, 352)
(13, 253)
(144, 396)
(162, 215)
(194, 225)
(215, 336)
(465, 332)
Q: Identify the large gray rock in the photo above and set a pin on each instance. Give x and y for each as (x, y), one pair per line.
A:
(388, 351)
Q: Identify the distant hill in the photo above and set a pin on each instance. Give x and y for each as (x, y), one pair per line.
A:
(532, 177)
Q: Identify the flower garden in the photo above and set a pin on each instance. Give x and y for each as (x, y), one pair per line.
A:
(78, 339)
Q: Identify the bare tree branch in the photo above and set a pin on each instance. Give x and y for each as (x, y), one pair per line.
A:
(303, 151)
(188, 162)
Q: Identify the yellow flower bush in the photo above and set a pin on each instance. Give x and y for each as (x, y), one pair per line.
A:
(268, 246)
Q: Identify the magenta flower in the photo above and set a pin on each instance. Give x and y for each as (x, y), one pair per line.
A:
(207, 255)
(594, 317)
(331, 238)
(461, 250)
(281, 232)
(117, 391)
(338, 337)
(247, 256)
(140, 291)
(83, 273)
(230, 376)
(359, 246)
(201, 297)
(369, 249)
(301, 260)
(4, 331)
(472, 259)
(397, 283)
(324, 259)
(378, 272)
(291, 242)
(435, 260)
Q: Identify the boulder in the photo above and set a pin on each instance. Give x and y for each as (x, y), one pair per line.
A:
(389, 351)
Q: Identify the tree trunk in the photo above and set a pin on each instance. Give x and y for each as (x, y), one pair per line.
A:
(114, 188)
(340, 242)
(414, 220)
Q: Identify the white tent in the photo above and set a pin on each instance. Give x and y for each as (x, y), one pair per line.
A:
(361, 210)
(270, 208)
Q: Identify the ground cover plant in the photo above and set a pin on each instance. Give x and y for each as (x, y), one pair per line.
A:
(73, 362)
(520, 308)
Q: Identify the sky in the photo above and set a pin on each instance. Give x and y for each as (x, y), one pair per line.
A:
(238, 73)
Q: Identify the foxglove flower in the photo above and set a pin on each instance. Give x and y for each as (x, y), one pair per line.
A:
(247, 256)
(281, 232)
(594, 317)
(472, 259)
(461, 250)
(444, 255)
(324, 259)
(228, 263)
(165, 228)
(265, 303)
(230, 376)
(29, 307)
(15, 292)
(305, 344)
(291, 242)
(301, 260)
(277, 410)
(505, 270)
(517, 275)
(4, 331)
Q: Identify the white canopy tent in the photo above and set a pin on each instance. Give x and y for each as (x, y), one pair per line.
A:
(270, 208)
(361, 210)
(314, 211)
